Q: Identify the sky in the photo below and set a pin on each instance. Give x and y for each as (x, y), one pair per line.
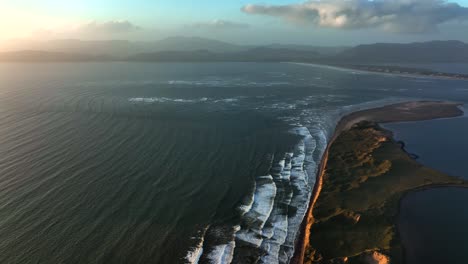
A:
(313, 22)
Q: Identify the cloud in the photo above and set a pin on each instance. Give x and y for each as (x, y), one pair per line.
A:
(109, 27)
(404, 16)
(220, 24)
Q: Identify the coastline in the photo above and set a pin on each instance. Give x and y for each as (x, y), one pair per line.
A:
(381, 70)
(401, 112)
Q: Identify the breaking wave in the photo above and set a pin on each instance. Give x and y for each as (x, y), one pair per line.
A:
(165, 99)
(151, 100)
(271, 214)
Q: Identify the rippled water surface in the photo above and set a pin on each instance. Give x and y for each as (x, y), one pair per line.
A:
(171, 163)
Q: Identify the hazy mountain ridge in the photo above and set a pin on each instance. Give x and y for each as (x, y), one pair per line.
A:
(261, 54)
(418, 52)
(47, 56)
(180, 49)
(124, 48)
(195, 44)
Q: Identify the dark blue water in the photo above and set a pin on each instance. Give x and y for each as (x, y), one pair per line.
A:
(433, 226)
(171, 163)
(440, 144)
(433, 223)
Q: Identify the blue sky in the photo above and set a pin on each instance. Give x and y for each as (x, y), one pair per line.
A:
(148, 9)
(234, 21)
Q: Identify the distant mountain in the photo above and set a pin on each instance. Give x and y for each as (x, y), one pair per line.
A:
(107, 47)
(276, 54)
(176, 56)
(122, 48)
(199, 49)
(45, 56)
(251, 55)
(194, 44)
(322, 50)
(421, 52)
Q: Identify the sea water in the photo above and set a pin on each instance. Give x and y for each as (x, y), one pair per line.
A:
(171, 162)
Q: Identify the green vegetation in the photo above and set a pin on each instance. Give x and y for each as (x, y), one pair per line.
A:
(366, 175)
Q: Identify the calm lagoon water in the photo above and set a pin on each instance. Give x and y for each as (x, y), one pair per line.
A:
(440, 144)
(433, 223)
(171, 163)
(433, 226)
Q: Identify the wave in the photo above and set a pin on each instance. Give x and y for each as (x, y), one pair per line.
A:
(270, 216)
(254, 220)
(151, 100)
(276, 231)
(165, 99)
(194, 255)
(224, 253)
(226, 83)
(296, 171)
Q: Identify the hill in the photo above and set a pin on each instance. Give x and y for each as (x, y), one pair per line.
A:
(122, 48)
(45, 56)
(252, 55)
(181, 49)
(420, 52)
(194, 44)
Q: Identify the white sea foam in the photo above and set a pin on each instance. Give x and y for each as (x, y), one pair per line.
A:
(463, 108)
(248, 202)
(166, 99)
(276, 230)
(227, 100)
(150, 100)
(301, 169)
(260, 211)
(194, 255)
(267, 222)
(225, 83)
(224, 253)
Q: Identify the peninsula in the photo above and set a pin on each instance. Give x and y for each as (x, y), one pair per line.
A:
(363, 176)
(406, 71)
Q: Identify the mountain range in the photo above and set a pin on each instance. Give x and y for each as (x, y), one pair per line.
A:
(419, 52)
(124, 48)
(180, 49)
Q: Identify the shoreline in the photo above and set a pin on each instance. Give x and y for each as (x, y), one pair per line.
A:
(400, 112)
(369, 69)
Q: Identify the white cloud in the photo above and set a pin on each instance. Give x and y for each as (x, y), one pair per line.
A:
(406, 16)
(109, 27)
(220, 24)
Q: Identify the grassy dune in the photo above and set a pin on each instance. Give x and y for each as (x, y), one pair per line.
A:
(366, 175)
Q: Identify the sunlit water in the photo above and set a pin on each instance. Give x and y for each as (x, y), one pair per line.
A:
(171, 163)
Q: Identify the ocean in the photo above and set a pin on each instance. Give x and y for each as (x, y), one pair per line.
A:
(172, 162)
